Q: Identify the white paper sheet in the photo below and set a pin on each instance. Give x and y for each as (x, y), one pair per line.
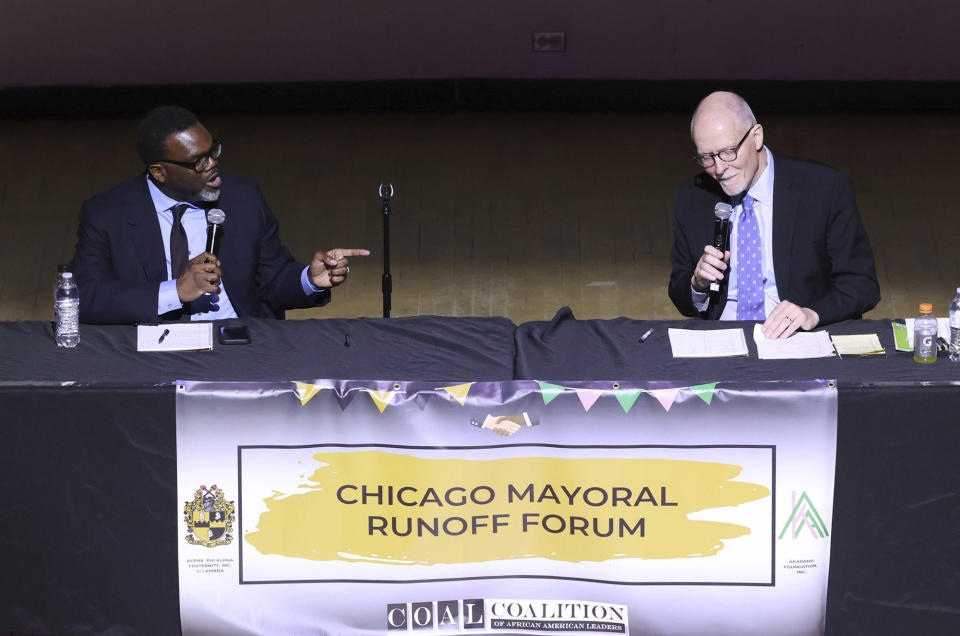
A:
(178, 336)
(710, 343)
(802, 344)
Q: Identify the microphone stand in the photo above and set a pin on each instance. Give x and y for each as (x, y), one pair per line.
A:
(386, 191)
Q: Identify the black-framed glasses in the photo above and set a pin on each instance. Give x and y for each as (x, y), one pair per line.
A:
(726, 155)
(201, 163)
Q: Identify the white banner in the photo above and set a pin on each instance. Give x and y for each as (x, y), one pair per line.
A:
(343, 507)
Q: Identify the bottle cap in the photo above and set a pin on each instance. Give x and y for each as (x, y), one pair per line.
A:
(66, 268)
(926, 308)
(67, 275)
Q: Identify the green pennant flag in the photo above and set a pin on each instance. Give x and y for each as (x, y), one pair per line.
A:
(549, 391)
(704, 391)
(628, 398)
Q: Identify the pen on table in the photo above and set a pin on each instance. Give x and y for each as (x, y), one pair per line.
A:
(644, 337)
(165, 333)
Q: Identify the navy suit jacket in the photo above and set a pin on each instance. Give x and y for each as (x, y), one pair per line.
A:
(119, 261)
(821, 254)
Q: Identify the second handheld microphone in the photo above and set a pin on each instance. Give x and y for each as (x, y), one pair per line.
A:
(721, 232)
(215, 219)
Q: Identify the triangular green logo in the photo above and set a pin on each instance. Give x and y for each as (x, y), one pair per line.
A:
(804, 513)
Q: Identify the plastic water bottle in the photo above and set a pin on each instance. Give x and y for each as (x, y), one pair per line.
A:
(955, 328)
(60, 270)
(925, 335)
(67, 310)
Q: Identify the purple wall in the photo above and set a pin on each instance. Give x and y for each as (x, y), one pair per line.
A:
(108, 42)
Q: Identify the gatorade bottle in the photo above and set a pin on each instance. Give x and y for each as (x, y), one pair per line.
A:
(925, 335)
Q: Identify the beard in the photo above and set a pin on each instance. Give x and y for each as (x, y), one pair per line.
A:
(209, 195)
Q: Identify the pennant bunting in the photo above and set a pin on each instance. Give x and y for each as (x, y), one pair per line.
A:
(665, 397)
(459, 392)
(381, 398)
(705, 391)
(344, 401)
(628, 398)
(549, 392)
(306, 392)
(588, 397)
(422, 398)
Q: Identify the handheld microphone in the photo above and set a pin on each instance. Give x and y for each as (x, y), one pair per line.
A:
(215, 219)
(721, 233)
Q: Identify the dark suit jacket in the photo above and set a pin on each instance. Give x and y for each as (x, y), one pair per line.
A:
(119, 261)
(821, 254)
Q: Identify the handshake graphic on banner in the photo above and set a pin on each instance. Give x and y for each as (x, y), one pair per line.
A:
(505, 425)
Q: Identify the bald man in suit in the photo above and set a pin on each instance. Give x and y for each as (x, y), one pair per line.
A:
(808, 261)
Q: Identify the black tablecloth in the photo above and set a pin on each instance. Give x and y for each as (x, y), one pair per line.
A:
(569, 349)
(88, 471)
(415, 348)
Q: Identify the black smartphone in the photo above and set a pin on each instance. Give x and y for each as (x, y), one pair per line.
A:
(234, 334)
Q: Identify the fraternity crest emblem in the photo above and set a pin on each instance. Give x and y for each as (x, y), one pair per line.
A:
(209, 518)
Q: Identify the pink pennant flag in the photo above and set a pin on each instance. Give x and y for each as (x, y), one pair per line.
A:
(665, 397)
(588, 397)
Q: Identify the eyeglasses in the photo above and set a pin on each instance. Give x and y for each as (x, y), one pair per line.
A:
(726, 155)
(201, 163)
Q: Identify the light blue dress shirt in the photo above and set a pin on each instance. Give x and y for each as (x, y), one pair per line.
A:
(194, 221)
(762, 193)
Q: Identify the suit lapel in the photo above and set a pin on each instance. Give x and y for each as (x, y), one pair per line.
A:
(142, 217)
(229, 253)
(785, 209)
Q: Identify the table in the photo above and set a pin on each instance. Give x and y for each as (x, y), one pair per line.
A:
(88, 463)
(895, 557)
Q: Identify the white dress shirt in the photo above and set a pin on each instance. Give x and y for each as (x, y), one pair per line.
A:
(194, 221)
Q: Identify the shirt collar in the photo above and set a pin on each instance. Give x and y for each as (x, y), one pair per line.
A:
(762, 190)
(161, 201)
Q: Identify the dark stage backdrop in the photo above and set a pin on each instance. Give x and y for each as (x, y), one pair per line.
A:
(117, 42)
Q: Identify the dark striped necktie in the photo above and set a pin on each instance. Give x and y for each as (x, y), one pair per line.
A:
(179, 252)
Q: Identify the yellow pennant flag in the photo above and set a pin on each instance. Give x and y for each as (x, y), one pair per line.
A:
(381, 398)
(459, 392)
(307, 391)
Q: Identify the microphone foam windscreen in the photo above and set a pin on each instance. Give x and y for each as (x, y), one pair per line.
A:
(216, 216)
(723, 211)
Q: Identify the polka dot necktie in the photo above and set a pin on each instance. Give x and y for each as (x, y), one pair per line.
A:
(749, 265)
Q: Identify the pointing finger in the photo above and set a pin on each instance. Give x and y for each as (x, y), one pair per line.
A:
(341, 252)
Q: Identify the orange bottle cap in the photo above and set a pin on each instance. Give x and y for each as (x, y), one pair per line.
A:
(926, 308)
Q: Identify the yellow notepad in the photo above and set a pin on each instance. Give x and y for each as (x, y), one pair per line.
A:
(867, 344)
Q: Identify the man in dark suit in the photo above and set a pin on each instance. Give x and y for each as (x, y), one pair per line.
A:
(140, 253)
(799, 255)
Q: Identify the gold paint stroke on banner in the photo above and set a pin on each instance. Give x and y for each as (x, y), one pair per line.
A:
(566, 509)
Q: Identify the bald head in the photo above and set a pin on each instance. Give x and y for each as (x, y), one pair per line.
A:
(729, 142)
(724, 104)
